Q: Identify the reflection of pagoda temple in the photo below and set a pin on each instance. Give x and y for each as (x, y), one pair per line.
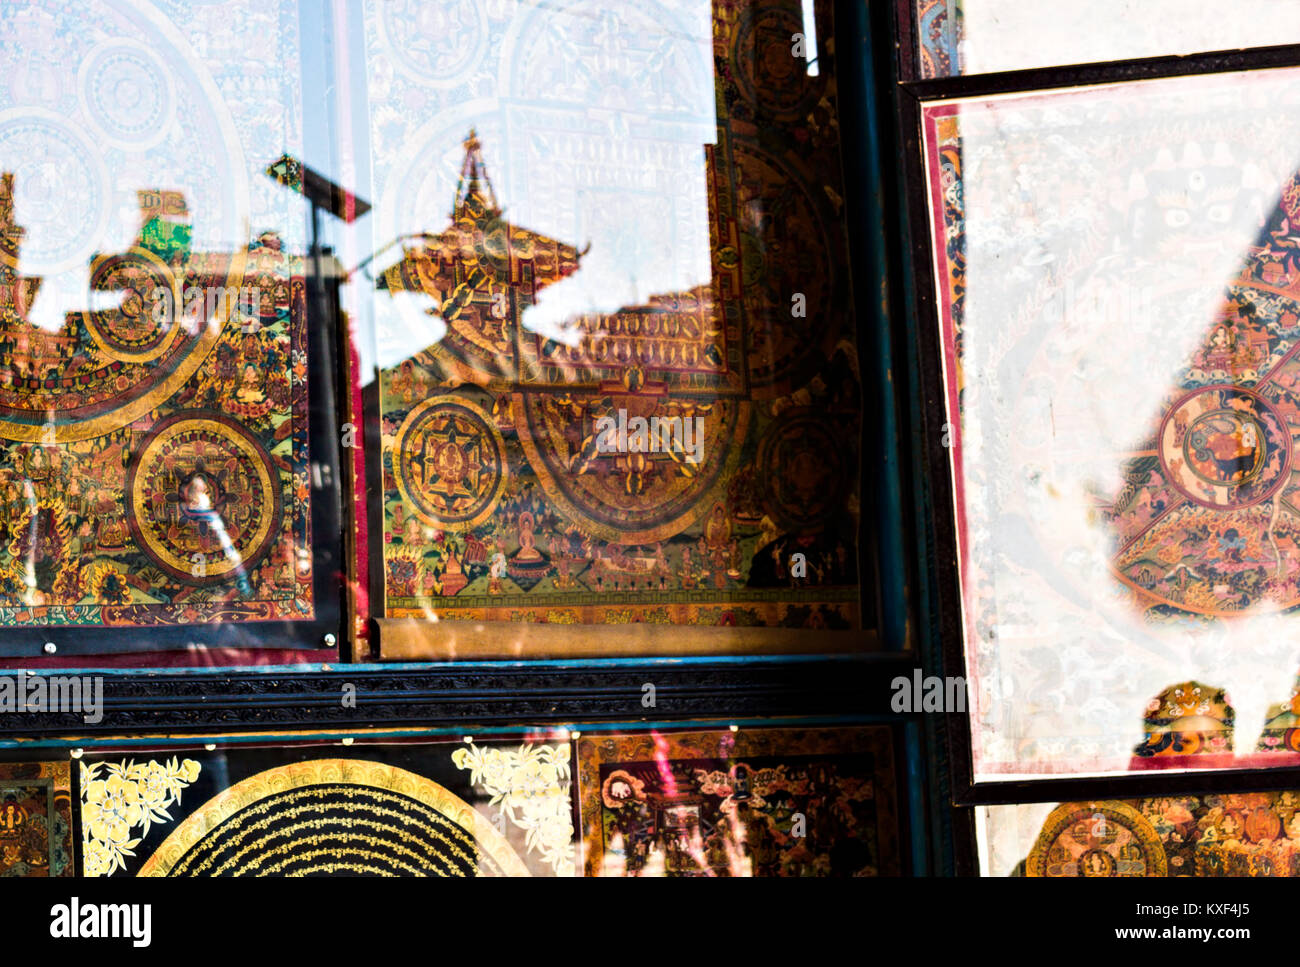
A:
(485, 273)
(481, 260)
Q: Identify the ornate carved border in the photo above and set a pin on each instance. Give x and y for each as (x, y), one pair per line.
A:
(480, 693)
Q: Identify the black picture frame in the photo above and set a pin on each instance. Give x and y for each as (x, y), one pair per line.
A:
(329, 566)
(914, 314)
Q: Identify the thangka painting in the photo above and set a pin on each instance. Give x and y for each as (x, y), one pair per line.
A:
(981, 36)
(938, 28)
(617, 375)
(1120, 313)
(1220, 834)
(754, 802)
(153, 386)
(467, 808)
(36, 819)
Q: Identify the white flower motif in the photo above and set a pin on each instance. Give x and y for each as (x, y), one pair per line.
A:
(118, 797)
(530, 785)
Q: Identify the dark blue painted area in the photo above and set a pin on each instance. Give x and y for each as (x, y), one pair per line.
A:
(380, 735)
(868, 122)
(424, 666)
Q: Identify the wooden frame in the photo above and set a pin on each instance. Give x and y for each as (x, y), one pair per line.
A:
(465, 694)
(411, 640)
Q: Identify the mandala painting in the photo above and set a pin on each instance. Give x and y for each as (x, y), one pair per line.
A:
(684, 453)
(1208, 520)
(757, 802)
(1224, 834)
(1120, 309)
(36, 819)
(450, 809)
(153, 397)
(153, 457)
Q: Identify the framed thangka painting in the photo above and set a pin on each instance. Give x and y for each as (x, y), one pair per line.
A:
(752, 802)
(616, 376)
(1119, 307)
(954, 37)
(158, 396)
(465, 808)
(1203, 835)
(36, 819)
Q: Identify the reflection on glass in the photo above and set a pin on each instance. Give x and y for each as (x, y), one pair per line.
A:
(617, 377)
(1120, 311)
(753, 802)
(153, 404)
(601, 302)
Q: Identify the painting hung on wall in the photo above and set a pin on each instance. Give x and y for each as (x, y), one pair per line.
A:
(36, 819)
(755, 802)
(617, 379)
(1219, 834)
(983, 36)
(469, 808)
(154, 404)
(1120, 307)
(938, 25)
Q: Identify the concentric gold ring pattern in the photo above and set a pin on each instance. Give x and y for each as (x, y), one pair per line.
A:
(381, 820)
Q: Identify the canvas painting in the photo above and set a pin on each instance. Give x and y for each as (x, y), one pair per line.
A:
(754, 802)
(36, 819)
(1119, 307)
(153, 399)
(617, 376)
(469, 808)
(1219, 834)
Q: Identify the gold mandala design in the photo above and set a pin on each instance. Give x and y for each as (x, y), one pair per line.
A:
(204, 498)
(1106, 838)
(271, 823)
(450, 463)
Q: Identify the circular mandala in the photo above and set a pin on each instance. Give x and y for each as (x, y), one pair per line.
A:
(628, 495)
(1225, 446)
(100, 372)
(1097, 839)
(437, 45)
(804, 480)
(450, 463)
(663, 64)
(204, 500)
(143, 357)
(335, 817)
(766, 71)
(126, 92)
(61, 187)
(146, 323)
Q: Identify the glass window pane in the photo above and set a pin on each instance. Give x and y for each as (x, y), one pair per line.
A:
(156, 485)
(1120, 313)
(612, 324)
